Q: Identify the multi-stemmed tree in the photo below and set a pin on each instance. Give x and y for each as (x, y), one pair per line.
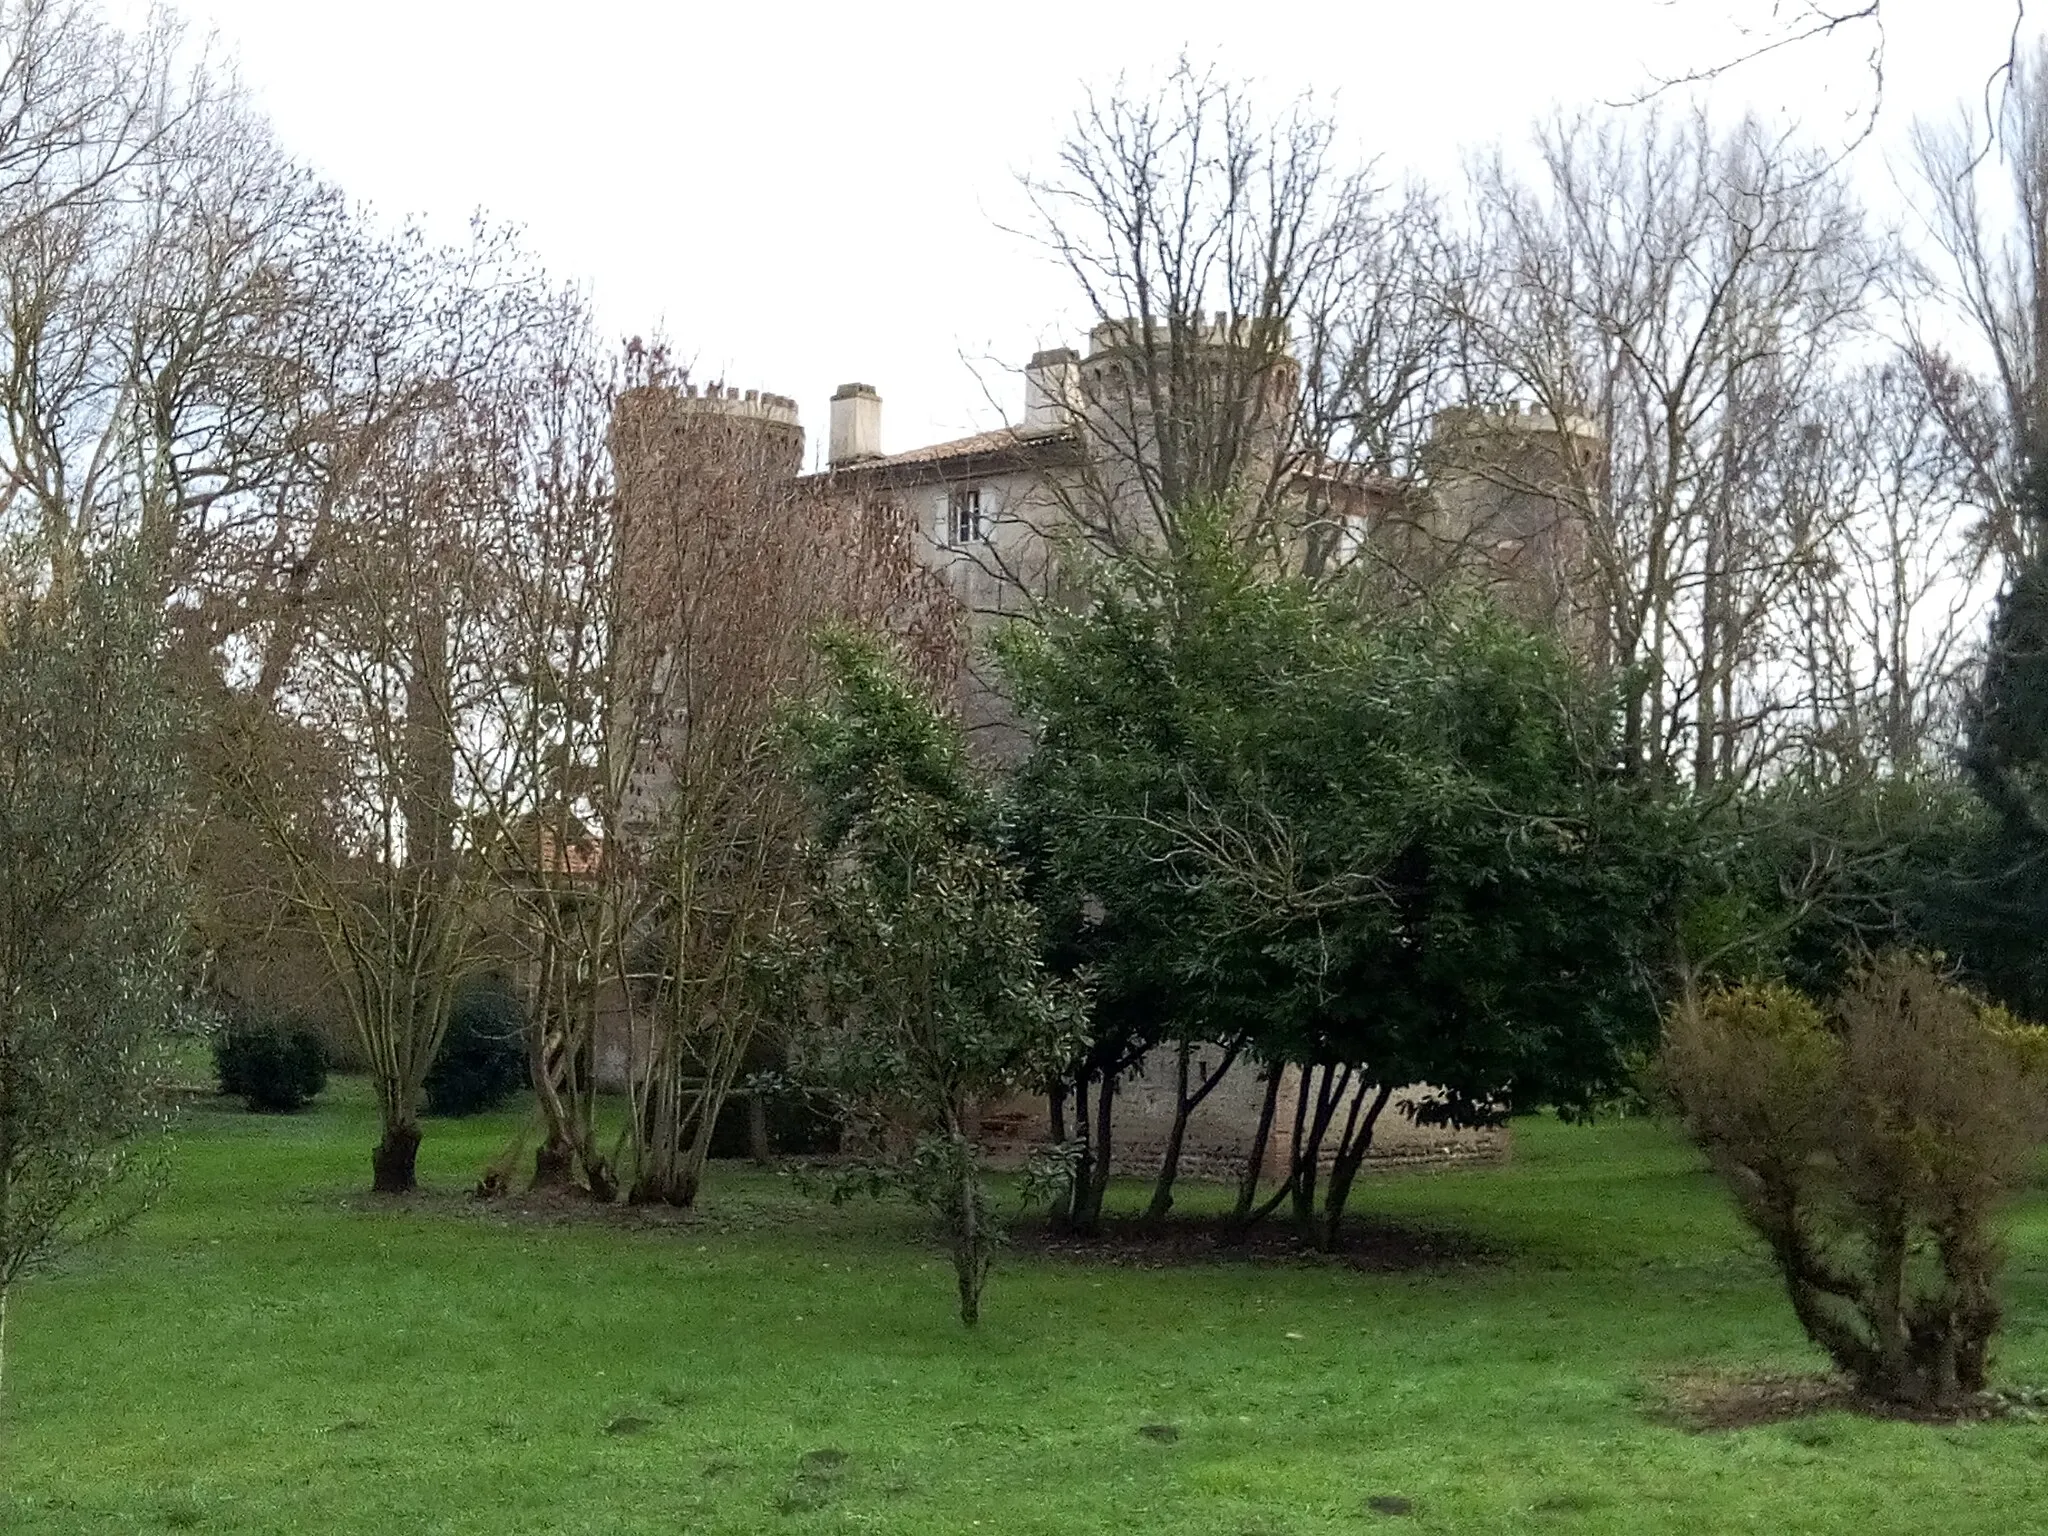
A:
(726, 567)
(350, 752)
(1390, 848)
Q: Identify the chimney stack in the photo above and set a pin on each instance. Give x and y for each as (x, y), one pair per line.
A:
(856, 425)
(1052, 391)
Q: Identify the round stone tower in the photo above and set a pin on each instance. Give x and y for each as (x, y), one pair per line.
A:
(698, 473)
(759, 430)
(1192, 409)
(1510, 491)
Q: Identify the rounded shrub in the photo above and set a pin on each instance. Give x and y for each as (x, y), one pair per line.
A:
(483, 1055)
(798, 1123)
(273, 1065)
(1873, 1143)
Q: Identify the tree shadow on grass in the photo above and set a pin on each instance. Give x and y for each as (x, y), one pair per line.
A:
(1370, 1244)
(723, 1213)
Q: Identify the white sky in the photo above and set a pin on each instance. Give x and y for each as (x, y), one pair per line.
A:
(801, 195)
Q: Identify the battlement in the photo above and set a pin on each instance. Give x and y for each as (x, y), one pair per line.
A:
(754, 404)
(1469, 422)
(651, 415)
(1222, 329)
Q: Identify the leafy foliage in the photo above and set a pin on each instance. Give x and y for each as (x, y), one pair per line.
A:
(272, 1064)
(1806, 878)
(1870, 1145)
(2002, 908)
(483, 1052)
(920, 991)
(1388, 844)
(89, 918)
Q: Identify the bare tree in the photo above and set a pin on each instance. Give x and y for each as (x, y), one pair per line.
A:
(727, 565)
(1986, 220)
(1211, 244)
(1875, 638)
(1679, 297)
(542, 781)
(348, 750)
(1379, 339)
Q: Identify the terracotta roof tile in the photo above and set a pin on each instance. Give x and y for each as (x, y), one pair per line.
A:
(980, 445)
(958, 448)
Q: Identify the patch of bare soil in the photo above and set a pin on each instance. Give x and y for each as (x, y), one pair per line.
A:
(1708, 1400)
(568, 1206)
(1380, 1247)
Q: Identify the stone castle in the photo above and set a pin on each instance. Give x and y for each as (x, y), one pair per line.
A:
(1496, 493)
(1495, 496)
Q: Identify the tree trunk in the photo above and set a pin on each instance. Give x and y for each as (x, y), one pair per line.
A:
(554, 1162)
(683, 1134)
(1185, 1105)
(757, 1129)
(970, 1246)
(1303, 1096)
(558, 1067)
(963, 1214)
(660, 1172)
(1176, 1137)
(1088, 1205)
(965, 1272)
(1071, 1206)
(1351, 1153)
(1308, 1144)
(1886, 1307)
(1062, 1211)
(392, 1165)
(677, 1186)
(1968, 1262)
(1262, 1137)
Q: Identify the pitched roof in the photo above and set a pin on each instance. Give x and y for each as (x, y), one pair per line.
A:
(982, 445)
(958, 448)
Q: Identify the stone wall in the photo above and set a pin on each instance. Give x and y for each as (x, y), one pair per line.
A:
(1220, 1132)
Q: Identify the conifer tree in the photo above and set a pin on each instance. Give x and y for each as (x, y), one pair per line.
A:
(2003, 910)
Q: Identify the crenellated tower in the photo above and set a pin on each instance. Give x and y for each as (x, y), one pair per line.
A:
(698, 472)
(1510, 494)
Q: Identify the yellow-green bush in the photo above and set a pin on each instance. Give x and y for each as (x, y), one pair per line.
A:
(1870, 1144)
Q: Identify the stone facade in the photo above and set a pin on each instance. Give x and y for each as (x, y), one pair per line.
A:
(990, 513)
(1220, 1132)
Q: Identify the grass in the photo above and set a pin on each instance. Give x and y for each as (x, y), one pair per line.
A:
(273, 1351)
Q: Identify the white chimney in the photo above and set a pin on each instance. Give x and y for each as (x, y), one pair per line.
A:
(856, 425)
(1052, 390)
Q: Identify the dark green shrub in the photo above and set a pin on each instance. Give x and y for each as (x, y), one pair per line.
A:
(804, 1125)
(800, 1123)
(271, 1064)
(483, 1055)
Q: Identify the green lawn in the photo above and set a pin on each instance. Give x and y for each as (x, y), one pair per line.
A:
(273, 1351)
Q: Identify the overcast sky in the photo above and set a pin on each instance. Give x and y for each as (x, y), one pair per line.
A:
(802, 195)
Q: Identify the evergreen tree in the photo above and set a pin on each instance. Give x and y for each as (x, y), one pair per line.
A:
(89, 912)
(1385, 847)
(2001, 910)
(920, 991)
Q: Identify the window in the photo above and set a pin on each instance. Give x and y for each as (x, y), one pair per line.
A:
(964, 522)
